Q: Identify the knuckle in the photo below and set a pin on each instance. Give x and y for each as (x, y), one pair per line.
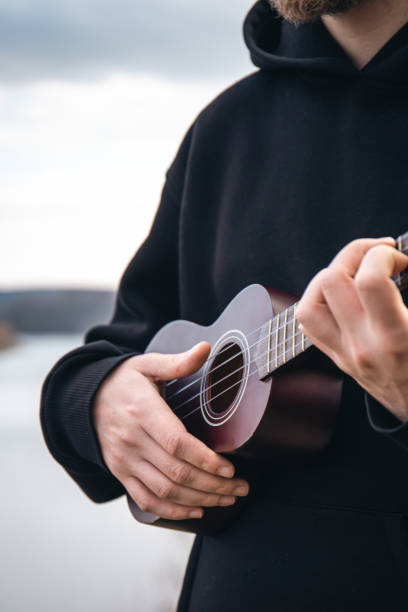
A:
(306, 314)
(366, 282)
(177, 513)
(144, 505)
(174, 443)
(363, 358)
(330, 278)
(180, 473)
(211, 500)
(117, 455)
(209, 464)
(143, 502)
(323, 276)
(164, 490)
(125, 437)
(379, 250)
(209, 460)
(224, 488)
(394, 346)
(134, 409)
(356, 243)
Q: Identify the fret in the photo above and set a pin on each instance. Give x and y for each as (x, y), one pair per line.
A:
(262, 350)
(290, 346)
(282, 338)
(284, 335)
(297, 332)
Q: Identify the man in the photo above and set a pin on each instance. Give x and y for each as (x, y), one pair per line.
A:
(282, 170)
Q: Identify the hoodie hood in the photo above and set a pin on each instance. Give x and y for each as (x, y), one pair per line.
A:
(275, 44)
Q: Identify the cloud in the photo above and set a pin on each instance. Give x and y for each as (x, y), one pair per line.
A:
(82, 166)
(89, 39)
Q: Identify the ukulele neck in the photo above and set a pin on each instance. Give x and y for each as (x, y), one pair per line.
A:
(281, 339)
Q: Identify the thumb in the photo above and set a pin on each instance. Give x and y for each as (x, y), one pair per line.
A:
(166, 367)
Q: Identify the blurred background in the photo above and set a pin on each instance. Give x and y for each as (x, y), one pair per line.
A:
(95, 97)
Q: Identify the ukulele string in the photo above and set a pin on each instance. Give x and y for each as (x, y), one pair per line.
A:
(174, 380)
(219, 394)
(168, 383)
(171, 382)
(211, 370)
(268, 335)
(189, 399)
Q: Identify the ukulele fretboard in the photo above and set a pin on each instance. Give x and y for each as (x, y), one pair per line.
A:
(280, 340)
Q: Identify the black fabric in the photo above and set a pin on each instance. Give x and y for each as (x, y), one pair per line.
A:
(272, 179)
(308, 559)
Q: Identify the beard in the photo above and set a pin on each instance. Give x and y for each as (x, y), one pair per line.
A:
(303, 11)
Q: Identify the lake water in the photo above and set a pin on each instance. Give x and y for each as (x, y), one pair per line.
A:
(59, 551)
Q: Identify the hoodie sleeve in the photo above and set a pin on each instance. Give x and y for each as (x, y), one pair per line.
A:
(147, 298)
(385, 423)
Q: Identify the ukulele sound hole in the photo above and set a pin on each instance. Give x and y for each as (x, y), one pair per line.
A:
(224, 377)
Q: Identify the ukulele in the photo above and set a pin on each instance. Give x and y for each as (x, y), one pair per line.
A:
(261, 393)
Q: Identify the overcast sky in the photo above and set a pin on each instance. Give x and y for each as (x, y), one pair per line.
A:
(91, 38)
(95, 97)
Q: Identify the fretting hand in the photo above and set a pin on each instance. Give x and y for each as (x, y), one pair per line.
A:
(165, 470)
(353, 312)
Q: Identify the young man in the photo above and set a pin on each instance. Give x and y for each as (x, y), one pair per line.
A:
(275, 176)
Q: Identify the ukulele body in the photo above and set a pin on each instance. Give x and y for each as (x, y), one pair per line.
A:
(233, 407)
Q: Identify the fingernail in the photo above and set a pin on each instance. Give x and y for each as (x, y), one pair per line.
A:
(225, 471)
(195, 514)
(227, 501)
(241, 490)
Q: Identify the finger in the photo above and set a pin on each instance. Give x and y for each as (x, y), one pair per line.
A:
(157, 425)
(350, 256)
(378, 293)
(341, 296)
(316, 319)
(166, 489)
(166, 367)
(334, 288)
(183, 445)
(188, 475)
(149, 502)
(338, 284)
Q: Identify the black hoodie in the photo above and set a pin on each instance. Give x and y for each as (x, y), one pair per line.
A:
(272, 179)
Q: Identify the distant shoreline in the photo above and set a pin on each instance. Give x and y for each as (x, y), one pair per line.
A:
(55, 310)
